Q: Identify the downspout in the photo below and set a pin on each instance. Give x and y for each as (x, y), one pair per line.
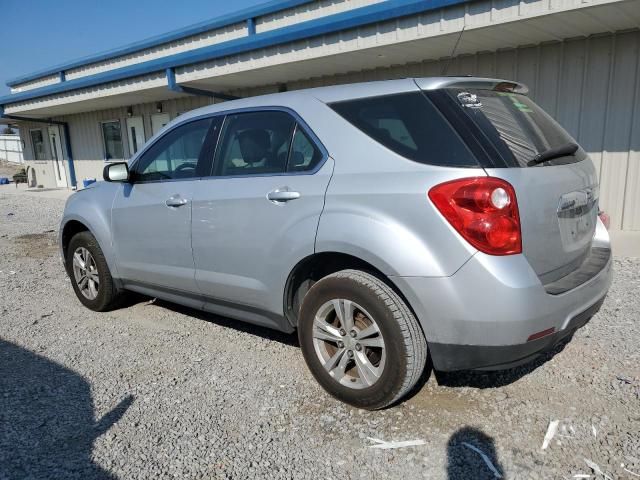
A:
(174, 87)
(67, 139)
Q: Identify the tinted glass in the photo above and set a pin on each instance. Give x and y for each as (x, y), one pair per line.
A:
(112, 141)
(254, 144)
(38, 145)
(410, 125)
(174, 156)
(517, 127)
(305, 155)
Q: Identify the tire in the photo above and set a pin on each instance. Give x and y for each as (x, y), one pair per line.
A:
(398, 346)
(107, 295)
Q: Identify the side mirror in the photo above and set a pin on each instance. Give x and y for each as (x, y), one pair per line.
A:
(116, 172)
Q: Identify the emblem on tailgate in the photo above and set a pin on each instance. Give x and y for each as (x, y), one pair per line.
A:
(575, 204)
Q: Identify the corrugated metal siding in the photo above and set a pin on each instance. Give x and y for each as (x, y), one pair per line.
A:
(42, 169)
(440, 27)
(188, 43)
(86, 135)
(591, 86)
(308, 11)
(136, 84)
(37, 83)
(435, 23)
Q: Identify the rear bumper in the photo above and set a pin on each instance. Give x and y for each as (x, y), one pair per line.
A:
(482, 316)
(478, 357)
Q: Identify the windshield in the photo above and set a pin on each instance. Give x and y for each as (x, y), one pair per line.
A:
(515, 126)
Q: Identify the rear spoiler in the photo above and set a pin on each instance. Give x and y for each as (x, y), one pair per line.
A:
(494, 84)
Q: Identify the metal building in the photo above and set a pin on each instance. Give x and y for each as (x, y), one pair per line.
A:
(580, 59)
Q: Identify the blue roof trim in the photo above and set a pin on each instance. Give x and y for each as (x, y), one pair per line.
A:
(388, 10)
(273, 6)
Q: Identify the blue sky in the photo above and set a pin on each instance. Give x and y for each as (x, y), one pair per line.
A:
(35, 34)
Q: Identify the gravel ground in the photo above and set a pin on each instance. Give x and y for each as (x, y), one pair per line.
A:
(158, 391)
(9, 169)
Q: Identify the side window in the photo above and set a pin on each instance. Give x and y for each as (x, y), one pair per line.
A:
(305, 155)
(174, 156)
(409, 125)
(254, 143)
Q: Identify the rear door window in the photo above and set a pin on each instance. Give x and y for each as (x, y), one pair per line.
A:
(514, 125)
(255, 143)
(409, 125)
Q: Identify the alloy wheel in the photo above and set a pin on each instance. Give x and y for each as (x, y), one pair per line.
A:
(349, 343)
(85, 273)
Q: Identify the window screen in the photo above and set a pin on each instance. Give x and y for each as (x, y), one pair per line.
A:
(409, 125)
(175, 155)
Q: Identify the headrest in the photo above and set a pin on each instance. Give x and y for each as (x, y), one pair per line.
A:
(254, 144)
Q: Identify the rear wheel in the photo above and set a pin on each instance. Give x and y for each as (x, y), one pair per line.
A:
(360, 340)
(89, 273)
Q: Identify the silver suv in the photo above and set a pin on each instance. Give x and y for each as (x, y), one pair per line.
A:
(386, 222)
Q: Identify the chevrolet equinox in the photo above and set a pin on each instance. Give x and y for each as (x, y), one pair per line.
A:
(386, 222)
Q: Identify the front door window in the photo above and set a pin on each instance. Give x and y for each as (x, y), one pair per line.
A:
(175, 155)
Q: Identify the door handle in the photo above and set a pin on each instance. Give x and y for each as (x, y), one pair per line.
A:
(176, 201)
(282, 195)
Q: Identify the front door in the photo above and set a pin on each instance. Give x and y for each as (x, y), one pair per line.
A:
(257, 216)
(158, 121)
(151, 216)
(135, 133)
(56, 154)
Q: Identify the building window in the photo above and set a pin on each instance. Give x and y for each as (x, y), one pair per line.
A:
(112, 136)
(37, 142)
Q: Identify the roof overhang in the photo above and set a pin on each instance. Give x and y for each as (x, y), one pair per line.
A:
(338, 44)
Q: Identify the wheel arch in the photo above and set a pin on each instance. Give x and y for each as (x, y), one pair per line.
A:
(319, 265)
(67, 232)
(73, 224)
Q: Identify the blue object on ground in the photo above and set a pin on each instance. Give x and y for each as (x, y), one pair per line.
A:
(4, 181)
(88, 181)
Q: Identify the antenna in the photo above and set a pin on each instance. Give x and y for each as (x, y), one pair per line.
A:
(445, 69)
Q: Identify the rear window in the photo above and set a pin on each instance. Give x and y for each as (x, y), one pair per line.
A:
(410, 125)
(516, 127)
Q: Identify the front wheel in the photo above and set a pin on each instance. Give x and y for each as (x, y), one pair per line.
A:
(89, 273)
(360, 340)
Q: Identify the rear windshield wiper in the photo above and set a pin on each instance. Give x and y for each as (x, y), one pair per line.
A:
(555, 152)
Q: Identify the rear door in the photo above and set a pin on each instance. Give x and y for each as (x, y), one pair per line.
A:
(258, 213)
(151, 217)
(557, 199)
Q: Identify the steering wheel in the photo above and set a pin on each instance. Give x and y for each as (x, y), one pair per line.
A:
(185, 166)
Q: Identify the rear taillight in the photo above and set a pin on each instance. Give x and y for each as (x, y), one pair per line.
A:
(484, 210)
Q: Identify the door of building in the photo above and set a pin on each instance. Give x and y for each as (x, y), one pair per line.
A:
(56, 155)
(158, 121)
(135, 134)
